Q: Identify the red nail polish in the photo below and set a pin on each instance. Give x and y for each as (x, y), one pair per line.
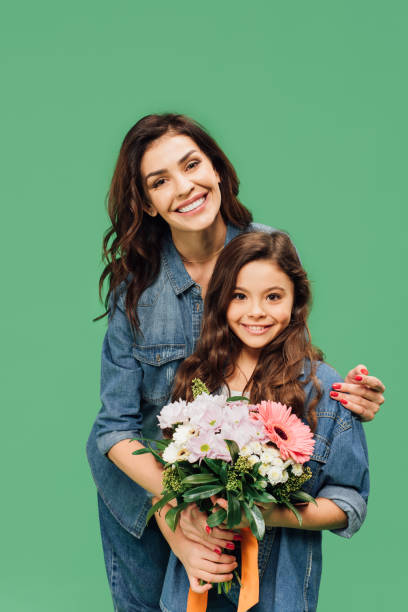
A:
(230, 545)
(333, 394)
(336, 386)
(358, 378)
(218, 551)
(364, 371)
(208, 529)
(344, 402)
(238, 537)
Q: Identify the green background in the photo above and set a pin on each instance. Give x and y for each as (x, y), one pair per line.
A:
(308, 99)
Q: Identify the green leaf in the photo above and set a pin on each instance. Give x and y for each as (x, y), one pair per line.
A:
(303, 497)
(199, 479)
(233, 449)
(238, 398)
(295, 512)
(216, 518)
(202, 492)
(234, 511)
(142, 451)
(224, 473)
(173, 515)
(213, 465)
(159, 505)
(261, 496)
(255, 520)
(162, 444)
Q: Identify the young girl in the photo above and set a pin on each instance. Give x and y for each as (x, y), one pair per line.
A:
(255, 340)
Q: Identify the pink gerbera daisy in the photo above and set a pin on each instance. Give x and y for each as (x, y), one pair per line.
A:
(293, 438)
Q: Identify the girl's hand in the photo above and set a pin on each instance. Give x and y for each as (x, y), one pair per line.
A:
(360, 393)
(193, 523)
(201, 563)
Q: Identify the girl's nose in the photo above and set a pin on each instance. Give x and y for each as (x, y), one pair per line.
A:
(256, 310)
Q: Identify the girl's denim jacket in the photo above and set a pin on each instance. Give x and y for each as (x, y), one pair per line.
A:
(137, 373)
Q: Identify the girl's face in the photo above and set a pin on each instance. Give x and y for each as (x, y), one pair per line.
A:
(180, 183)
(262, 303)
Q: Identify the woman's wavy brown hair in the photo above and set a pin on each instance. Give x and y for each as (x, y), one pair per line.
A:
(131, 246)
(281, 362)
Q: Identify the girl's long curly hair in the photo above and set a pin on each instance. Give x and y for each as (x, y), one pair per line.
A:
(280, 363)
(131, 246)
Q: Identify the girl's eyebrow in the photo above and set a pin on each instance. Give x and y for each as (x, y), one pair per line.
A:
(180, 161)
(266, 290)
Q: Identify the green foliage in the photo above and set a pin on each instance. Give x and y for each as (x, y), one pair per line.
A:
(284, 491)
(172, 480)
(198, 387)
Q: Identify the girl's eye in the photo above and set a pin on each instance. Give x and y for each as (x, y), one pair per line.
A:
(158, 183)
(272, 297)
(239, 296)
(192, 164)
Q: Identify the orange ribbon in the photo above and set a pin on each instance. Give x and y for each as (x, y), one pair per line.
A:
(249, 593)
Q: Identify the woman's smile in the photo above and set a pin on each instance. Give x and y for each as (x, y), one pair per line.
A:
(193, 204)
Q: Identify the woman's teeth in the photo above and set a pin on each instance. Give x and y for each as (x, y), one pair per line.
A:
(192, 206)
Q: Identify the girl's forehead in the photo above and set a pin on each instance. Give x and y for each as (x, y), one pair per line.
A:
(260, 273)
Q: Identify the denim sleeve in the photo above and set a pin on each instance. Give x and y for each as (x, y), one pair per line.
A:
(345, 477)
(121, 379)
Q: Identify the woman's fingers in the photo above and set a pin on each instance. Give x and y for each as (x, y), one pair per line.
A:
(360, 375)
(354, 397)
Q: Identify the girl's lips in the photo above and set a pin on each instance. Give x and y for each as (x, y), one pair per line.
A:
(256, 330)
(195, 206)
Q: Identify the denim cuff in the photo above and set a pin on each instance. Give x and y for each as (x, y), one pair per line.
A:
(351, 503)
(107, 440)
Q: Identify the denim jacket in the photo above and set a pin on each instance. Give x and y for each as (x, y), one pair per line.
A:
(290, 560)
(137, 374)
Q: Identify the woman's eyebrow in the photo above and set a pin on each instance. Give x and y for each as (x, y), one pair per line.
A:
(180, 161)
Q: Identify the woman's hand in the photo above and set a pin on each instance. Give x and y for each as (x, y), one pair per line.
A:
(193, 523)
(222, 503)
(360, 393)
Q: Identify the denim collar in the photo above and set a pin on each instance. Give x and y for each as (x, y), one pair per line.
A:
(179, 278)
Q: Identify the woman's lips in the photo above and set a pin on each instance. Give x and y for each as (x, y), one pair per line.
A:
(193, 206)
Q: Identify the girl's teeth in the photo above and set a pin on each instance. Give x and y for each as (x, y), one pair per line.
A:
(192, 206)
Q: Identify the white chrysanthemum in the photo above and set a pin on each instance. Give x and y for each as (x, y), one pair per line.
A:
(253, 459)
(182, 434)
(264, 468)
(274, 474)
(245, 451)
(285, 476)
(255, 447)
(287, 463)
(269, 456)
(297, 469)
(171, 452)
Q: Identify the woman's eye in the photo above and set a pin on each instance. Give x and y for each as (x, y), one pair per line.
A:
(192, 164)
(158, 183)
(272, 297)
(238, 296)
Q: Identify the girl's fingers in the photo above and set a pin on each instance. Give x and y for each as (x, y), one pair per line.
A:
(197, 587)
(360, 375)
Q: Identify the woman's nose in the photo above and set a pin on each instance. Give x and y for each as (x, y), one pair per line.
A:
(183, 185)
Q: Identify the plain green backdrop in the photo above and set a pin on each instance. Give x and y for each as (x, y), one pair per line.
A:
(309, 101)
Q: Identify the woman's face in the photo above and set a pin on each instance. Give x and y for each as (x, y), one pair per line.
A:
(180, 183)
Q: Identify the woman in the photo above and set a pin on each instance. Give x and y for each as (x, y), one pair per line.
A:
(173, 205)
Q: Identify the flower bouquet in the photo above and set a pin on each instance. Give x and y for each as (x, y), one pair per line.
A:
(226, 447)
